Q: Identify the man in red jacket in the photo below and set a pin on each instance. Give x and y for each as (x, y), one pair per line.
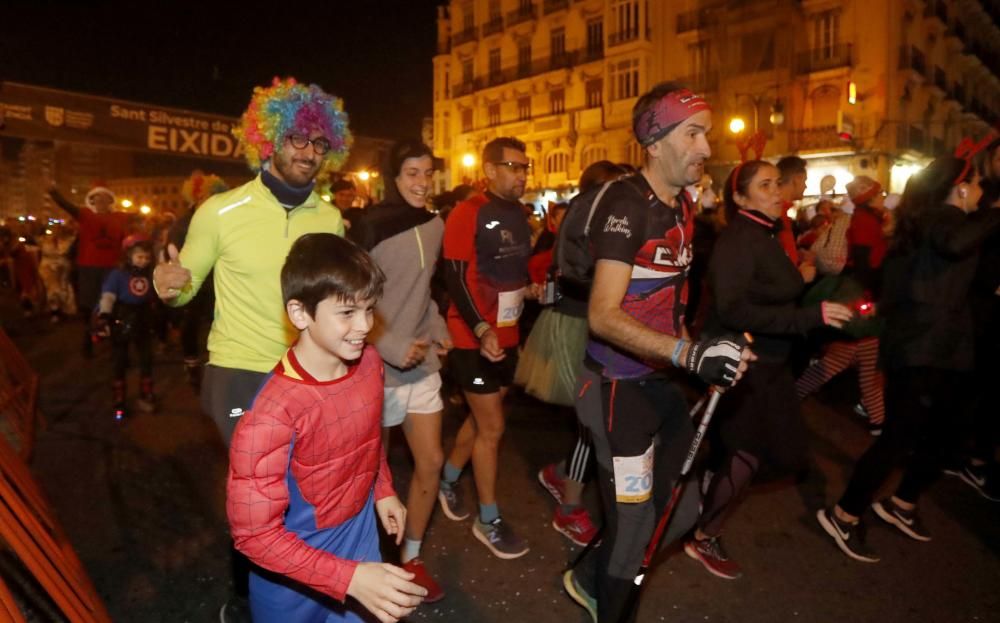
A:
(99, 246)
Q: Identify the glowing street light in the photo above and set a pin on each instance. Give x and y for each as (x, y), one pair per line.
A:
(364, 176)
(468, 161)
(126, 203)
(737, 125)
(145, 209)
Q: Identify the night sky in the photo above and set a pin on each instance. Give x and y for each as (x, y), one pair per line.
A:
(375, 54)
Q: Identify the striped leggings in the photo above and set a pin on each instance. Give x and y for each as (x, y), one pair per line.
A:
(863, 355)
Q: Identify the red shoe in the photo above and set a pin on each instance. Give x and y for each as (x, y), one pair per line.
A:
(555, 485)
(576, 525)
(713, 557)
(434, 591)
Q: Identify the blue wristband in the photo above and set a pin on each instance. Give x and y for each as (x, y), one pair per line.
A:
(677, 352)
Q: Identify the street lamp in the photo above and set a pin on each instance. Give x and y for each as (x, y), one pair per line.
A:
(737, 125)
(126, 203)
(468, 161)
(145, 209)
(364, 176)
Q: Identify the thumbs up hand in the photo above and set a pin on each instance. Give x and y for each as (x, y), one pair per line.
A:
(169, 277)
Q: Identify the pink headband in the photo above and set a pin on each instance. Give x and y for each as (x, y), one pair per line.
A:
(662, 117)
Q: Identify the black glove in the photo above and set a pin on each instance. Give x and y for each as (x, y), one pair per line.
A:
(716, 361)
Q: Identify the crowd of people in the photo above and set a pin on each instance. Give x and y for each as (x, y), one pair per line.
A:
(332, 325)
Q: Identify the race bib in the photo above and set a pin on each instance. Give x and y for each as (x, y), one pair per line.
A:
(509, 307)
(634, 477)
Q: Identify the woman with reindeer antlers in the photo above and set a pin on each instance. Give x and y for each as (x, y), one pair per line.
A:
(927, 347)
(755, 287)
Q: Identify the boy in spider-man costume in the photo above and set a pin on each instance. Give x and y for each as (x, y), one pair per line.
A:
(307, 471)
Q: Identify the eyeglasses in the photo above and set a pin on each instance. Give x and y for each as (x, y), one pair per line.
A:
(515, 167)
(300, 141)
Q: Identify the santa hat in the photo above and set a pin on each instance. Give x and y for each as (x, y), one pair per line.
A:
(863, 189)
(96, 190)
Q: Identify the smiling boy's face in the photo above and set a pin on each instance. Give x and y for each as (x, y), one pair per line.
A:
(338, 327)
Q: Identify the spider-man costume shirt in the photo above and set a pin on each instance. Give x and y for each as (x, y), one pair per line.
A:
(305, 467)
(632, 226)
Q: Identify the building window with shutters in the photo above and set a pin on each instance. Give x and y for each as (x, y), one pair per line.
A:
(524, 58)
(557, 162)
(594, 153)
(467, 120)
(624, 77)
(826, 33)
(557, 45)
(494, 65)
(494, 114)
(595, 93)
(467, 73)
(633, 154)
(524, 108)
(625, 21)
(595, 38)
(557, 101)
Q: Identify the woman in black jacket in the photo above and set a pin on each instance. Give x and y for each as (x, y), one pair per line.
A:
(754, 287)
(926, 350)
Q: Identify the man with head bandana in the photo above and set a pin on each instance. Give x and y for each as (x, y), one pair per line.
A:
(290, 133)
(640, 238)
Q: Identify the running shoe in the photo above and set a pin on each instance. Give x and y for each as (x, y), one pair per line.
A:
(875, 430)
(549, 478)
(860, 411)
(452, 502)
(908, 522)
(579, 594)
(980, 477)
(713, 557)
(422, 578)
(499, 537)
(850, 538)
(576, 525)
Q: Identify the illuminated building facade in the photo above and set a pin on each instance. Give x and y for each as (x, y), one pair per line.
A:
(875, 87)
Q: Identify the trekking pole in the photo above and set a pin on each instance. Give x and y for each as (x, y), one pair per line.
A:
(592, 543)
(661, 526)
(714, 393)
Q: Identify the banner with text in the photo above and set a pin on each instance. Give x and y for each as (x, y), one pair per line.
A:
(39, 113)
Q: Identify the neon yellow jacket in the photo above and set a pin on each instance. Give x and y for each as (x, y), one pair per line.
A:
(245, 235)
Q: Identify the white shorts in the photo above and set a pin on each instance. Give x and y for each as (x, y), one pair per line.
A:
(423, 396)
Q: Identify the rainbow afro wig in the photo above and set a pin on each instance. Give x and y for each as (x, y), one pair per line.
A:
(200, 187)
(286, 107)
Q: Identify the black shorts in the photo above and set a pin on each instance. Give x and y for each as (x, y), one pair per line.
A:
(477, 374)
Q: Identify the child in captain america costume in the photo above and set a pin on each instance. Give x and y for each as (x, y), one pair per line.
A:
(125, 314)
(307, 469)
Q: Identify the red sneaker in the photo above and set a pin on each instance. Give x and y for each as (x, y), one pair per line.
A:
(714, 558)
(422, 578)
(576, 525)
(549, 479)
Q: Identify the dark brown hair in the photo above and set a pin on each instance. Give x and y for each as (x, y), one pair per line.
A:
(320, 266)
(493, 152)
(744, 174)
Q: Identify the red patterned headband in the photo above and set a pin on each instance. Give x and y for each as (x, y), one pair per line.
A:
(967, 150)
(756, 141)
(664, 115)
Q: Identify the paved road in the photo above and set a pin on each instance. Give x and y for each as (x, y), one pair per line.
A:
(143, 504)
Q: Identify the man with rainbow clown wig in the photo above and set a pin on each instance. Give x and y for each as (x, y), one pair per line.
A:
(290, 134)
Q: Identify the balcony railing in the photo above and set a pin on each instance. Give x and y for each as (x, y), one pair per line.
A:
(493, 26)
(464, 36)
(527, 70)
(821, 137)
(819, 59)
(625, 36)
(692, 20)
(912, 58)
(551, 6)
(523, 13)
